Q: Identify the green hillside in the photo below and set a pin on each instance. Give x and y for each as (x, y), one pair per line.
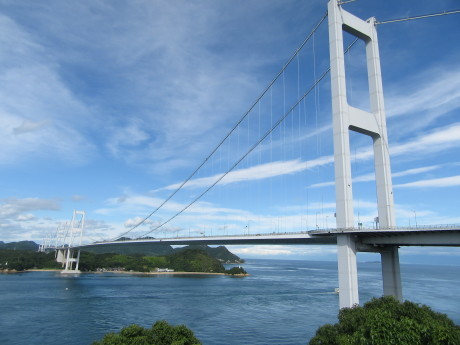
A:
(20, 260)
(221, 253)
(21, 245)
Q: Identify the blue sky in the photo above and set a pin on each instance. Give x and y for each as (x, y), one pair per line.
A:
(108, 106)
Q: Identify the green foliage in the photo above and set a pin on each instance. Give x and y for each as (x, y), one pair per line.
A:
(157, 249)
(161, 333)
(111, 261)
(221, 253)
(186, 259)
(189, 260)
(385, 321)
(156, 261)
(195, 260)
(236, 271)
(20, 260)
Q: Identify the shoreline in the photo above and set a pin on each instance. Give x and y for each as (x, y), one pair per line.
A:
(130, 272)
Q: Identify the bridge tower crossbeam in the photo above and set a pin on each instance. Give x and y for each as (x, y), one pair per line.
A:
(373, 123)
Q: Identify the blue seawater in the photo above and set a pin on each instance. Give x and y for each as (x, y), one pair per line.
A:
(281, 302)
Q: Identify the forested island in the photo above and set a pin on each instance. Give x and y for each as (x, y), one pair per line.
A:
(203, 259)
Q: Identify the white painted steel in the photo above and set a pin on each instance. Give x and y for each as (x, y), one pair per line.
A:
(373, 124)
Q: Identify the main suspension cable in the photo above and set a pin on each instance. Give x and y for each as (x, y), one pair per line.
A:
(252, 148)
(418, 17)
(232, 130)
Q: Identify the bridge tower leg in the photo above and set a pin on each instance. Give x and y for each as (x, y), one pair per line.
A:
(72, 262)
(373, 124)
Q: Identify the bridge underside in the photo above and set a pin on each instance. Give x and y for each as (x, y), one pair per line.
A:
(400, 237)
(268, 239)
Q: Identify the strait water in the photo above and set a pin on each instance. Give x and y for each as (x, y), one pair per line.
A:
(282, 302)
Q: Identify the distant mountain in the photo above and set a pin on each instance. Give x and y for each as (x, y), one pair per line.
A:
(21, 245)
(221, 253)
(147, 249)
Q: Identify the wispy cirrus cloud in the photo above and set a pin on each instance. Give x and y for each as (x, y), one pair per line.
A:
(443, 138)
(451, 181)
(435, 141)
(38, 111)
(257, 172)
(440, 139)
(438, 96)
(371, 177)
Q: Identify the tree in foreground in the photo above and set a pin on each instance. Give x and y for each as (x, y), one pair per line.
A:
(386, 321)
(161, 333)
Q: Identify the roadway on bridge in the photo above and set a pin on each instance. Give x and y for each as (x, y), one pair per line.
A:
(400, 237)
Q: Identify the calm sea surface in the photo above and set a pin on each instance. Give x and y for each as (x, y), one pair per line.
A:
(282, 302)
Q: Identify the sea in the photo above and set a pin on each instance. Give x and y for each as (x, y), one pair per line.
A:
(281, 302)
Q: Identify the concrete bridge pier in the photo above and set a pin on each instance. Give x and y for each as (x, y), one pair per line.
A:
(391, 273)
(347, 248)
(348, 271)
(61, 256)
(69, 258)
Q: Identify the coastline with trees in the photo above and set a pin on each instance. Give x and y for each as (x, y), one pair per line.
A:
(186, 260)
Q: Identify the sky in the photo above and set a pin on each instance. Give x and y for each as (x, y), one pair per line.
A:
(108, 106)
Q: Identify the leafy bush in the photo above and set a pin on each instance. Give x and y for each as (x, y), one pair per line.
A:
(161, 333)
(386, 321)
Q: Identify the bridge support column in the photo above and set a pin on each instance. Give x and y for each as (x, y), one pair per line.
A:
(348, 271)
(71, 261)
(391, 272)
(61, 256)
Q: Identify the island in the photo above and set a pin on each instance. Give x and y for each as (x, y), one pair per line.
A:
(190, 259)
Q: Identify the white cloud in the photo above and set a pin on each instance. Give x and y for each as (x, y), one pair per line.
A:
(15, 207)
(257, 172)
(25, 217)
(280, 251)
(437, 93)
(40, 116)
(371, 177)
(451, 181)
(77, 197)
(439, 139)
(415, 171)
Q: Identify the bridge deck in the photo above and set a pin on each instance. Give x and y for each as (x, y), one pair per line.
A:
(381, 237)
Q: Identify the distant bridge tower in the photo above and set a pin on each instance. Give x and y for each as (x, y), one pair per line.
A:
(373, 124)
(69, 236)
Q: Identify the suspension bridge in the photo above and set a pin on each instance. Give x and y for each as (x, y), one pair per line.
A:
(275, 140)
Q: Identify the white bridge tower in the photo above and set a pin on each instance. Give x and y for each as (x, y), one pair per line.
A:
(69, 236)
(373, 124)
